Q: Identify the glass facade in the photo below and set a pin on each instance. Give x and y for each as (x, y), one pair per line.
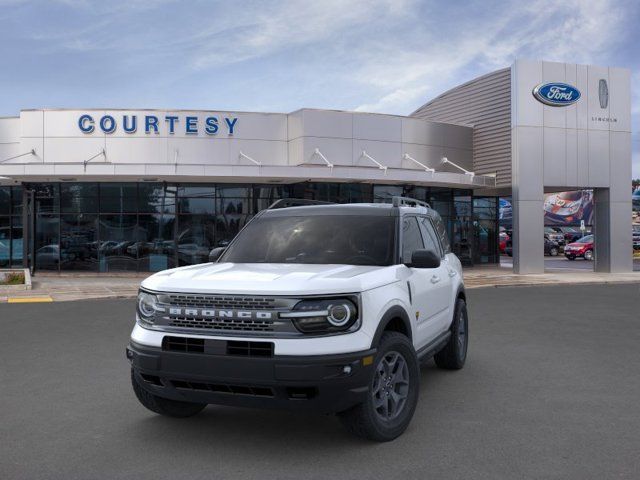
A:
(10, 227)
(110, 227)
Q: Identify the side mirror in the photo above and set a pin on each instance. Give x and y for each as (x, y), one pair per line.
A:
(424, 259)
(215, 254)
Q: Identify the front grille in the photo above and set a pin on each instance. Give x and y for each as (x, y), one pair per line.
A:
(238, 325)
(221, 302)
(236, 315)
(254, 391)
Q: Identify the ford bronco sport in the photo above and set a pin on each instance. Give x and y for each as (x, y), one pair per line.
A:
(328, 308)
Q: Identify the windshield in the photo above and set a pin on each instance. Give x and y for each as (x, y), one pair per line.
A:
(320, 239)
(587, 239)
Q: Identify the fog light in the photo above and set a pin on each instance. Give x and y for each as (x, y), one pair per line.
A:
(129, 354)
(346, 369)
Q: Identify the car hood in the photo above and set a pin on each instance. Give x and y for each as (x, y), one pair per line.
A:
(579, 245)
(271, 278)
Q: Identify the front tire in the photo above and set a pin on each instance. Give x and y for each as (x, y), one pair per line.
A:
(164, 406)
(392, 395)
(588, 255)
(454, 353)
(553, 252)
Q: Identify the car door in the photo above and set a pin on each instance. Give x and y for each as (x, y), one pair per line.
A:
(442, 288)
(423, 284)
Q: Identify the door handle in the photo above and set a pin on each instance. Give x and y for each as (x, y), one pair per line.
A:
(435, 279)
(452, 273)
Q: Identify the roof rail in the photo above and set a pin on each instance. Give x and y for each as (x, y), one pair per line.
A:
(295, 202)
(399, 201)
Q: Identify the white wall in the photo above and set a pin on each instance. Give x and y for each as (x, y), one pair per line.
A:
(272, 139)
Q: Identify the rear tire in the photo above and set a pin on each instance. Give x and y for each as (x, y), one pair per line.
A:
(553, 252)
(392, 394)
(164, 406)
(454, 353)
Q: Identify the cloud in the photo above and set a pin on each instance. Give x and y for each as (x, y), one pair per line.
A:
(288, 25)
(568, 31)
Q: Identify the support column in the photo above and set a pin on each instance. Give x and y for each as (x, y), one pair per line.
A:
(612, 231)
(528, 236)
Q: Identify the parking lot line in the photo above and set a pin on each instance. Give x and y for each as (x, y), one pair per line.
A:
(29, 299)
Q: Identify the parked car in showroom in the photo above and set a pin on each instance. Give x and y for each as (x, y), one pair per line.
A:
(503, 238)
(550, 248)
(573, 234)
(583, 248)
(636, 237)
(554, 235)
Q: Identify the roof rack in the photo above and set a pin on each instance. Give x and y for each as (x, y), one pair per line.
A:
(399, 201)
(296, 202)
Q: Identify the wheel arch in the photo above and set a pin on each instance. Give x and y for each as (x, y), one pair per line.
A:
(395, 319)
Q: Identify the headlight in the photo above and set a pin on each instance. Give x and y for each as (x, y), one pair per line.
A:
(147, 306)
(327, 315)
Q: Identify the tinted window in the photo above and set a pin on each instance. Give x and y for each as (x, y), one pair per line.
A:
(326, 239)
(430, 237)
(5, 200)
(411, 238)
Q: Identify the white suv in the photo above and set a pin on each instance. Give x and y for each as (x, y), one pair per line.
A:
(327, 308)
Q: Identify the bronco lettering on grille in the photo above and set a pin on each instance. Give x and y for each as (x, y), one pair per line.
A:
(211, 313)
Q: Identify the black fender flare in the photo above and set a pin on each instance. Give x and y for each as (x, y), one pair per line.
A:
(461, 293)
(393, 312)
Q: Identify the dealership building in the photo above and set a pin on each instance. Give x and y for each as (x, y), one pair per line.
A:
(109, 190)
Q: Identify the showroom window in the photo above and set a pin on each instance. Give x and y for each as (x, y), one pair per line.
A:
(151, 226)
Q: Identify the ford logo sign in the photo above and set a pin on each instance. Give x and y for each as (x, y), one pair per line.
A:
(556, 94)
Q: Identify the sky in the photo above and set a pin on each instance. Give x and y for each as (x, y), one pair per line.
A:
(388, 56)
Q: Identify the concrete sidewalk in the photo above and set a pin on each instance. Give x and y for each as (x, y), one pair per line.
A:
(79, 286)
(496, 276)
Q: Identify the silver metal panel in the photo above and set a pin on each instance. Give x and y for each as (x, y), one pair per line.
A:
(620, 99)
(528, 235)
(527, 110)
(583, 158)
(598, 145)
(582, 108)
(555, 156)
(554, 116)
(572, 156)
(571, 111)
(485, 103)
(377, 127)
(528, 154)
(596, 112)
(325, 123)
(418, 131)
(620, 171)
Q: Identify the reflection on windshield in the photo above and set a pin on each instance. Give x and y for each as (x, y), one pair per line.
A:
(326, 239)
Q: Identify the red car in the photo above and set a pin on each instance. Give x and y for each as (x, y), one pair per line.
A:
(503, 239)
(582, 248)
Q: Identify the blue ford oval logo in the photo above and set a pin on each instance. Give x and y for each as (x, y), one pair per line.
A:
(556, 94)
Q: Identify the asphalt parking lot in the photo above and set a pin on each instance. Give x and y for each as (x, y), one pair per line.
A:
(550, 391)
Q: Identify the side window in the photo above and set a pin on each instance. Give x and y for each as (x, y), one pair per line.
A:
(411, 238)
(441, 230)
(430, 239)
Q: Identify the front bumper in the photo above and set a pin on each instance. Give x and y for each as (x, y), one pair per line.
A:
(322, 383)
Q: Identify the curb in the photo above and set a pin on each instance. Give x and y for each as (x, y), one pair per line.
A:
(554, 284)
